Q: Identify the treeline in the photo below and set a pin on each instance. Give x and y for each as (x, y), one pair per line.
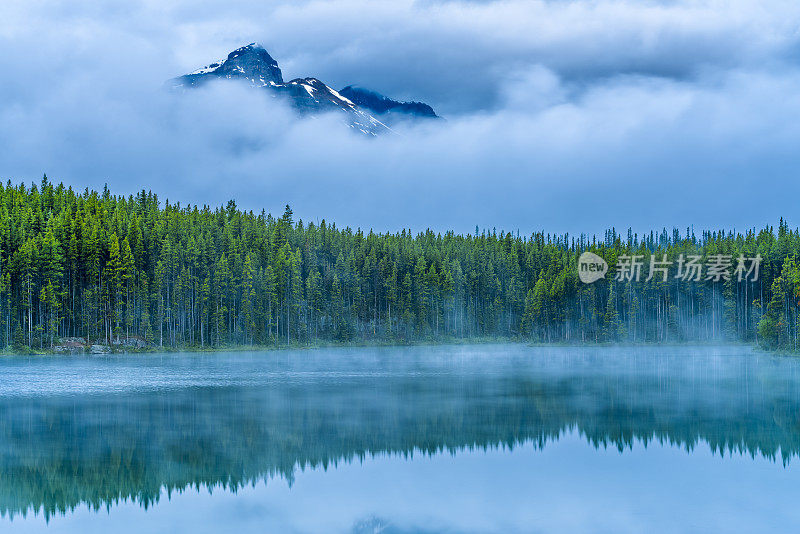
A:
(102, 267)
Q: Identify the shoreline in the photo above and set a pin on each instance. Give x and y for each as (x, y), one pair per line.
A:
(101, 349)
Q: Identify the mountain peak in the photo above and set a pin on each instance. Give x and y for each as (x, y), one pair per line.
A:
(252, 63)
(251, 49)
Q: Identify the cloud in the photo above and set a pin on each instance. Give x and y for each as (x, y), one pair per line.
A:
(562, 116)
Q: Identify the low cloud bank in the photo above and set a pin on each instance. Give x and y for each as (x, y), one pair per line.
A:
(560, 116)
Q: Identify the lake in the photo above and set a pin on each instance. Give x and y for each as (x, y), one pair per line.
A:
(484, 438)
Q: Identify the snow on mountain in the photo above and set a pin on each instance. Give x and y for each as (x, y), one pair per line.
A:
(309, 96)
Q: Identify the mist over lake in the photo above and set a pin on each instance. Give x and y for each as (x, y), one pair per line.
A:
(486, 438)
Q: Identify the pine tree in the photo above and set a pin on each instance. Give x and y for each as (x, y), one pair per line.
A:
(248, 300)
(772, 327)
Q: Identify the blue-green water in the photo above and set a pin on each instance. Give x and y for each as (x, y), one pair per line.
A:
(502, 438)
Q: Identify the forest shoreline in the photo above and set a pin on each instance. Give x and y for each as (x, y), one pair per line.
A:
(112, 350)
(79, 272)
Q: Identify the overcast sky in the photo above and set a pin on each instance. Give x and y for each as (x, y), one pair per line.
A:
(562, 115)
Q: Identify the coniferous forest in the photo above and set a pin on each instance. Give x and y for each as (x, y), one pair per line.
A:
(121, 270)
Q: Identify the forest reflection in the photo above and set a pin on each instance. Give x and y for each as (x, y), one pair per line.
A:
(62, 450)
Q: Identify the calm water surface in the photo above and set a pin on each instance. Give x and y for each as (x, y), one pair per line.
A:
(501, 438)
